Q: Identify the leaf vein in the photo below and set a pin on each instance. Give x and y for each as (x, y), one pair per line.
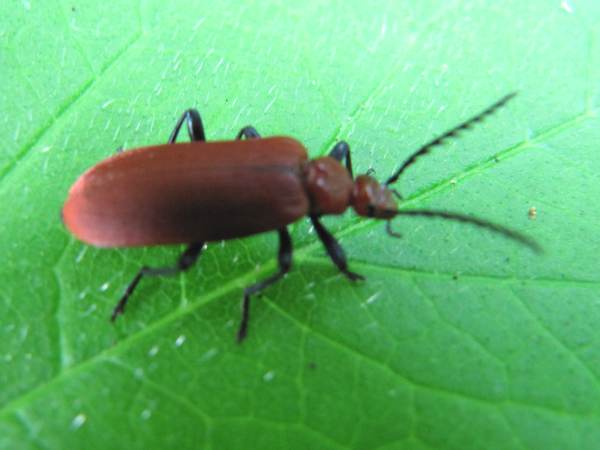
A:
(459, 330)
(439, 390)
(164, 390)
(475, 277)
(548, 332)
(78, 94)
(355, 113)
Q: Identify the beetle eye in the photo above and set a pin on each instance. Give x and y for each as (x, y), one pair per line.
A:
(371, 211)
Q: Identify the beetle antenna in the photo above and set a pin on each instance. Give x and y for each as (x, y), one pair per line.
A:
(506, 232)
(449, 134)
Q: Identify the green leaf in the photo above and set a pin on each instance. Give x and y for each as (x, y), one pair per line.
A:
(459, 339)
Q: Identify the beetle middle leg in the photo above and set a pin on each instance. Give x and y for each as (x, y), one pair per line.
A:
(285, 263)
(334, 250)
(194, 126)
(185, 261)
(341, 151)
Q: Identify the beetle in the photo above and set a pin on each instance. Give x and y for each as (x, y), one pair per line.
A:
(198, 192)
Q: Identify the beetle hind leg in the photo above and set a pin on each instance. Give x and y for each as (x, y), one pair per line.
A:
(285, 263)
(185, 261)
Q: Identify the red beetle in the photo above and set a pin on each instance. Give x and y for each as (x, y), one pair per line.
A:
(201, 191)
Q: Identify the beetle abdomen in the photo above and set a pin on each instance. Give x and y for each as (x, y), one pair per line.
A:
(181, 193)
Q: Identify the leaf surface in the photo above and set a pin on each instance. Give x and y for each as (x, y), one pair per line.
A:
(459, 339)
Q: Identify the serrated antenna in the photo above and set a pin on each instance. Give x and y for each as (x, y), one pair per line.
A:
(449, 134)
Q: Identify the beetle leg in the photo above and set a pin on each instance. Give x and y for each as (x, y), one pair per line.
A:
(341, 151)
(334, 249)
(194, 126)
(248, 133)
(285, 263)
(185, 261)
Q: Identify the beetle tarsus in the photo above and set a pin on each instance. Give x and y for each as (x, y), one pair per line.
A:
(185, 261)
(243, 330)
(334, 250)
(353, 276)
(120, 308)
(285, 263)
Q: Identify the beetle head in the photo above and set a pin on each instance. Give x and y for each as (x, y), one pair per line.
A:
(371, 199)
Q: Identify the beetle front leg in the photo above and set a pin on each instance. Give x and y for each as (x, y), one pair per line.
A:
(248, 132)
(194, 126)
(185, 261)
(334, 249)
(285, 263)
(341, 152)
